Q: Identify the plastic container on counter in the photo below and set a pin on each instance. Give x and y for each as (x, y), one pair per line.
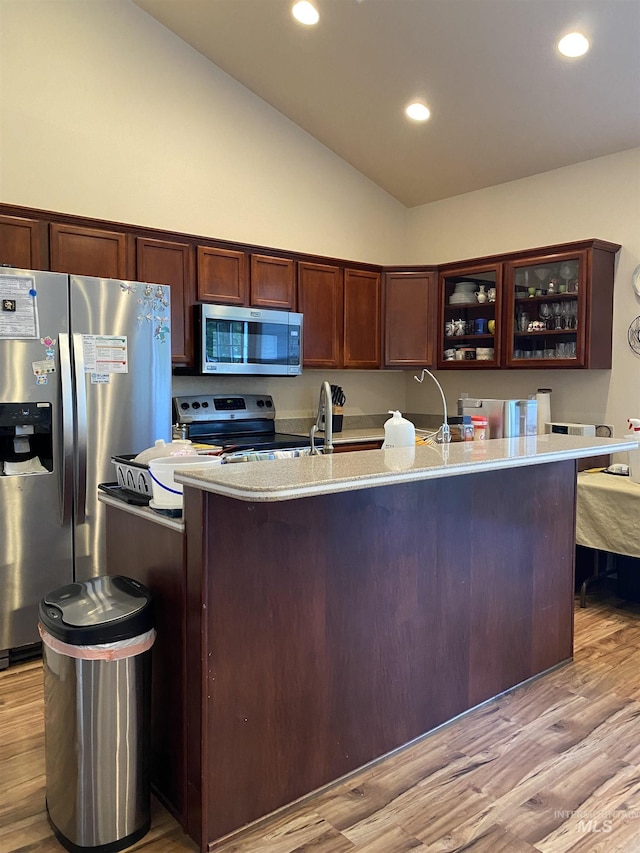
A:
(480, 427)
(398, 432)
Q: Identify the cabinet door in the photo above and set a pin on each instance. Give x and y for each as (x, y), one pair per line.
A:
(166, 262)
(222, 276)
(88, 251)
(272, 282)
(20, 243)
(470, 332)
(560, 309)
(320, 301)
(362, 319)
(546, 318)
(409, 319)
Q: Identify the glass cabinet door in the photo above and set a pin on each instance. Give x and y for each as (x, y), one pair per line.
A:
(470, 311)
(545, 313)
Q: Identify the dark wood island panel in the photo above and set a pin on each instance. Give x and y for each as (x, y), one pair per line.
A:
(336, 628)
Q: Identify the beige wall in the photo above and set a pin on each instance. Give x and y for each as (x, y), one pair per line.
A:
(367, 391)
(104, 113)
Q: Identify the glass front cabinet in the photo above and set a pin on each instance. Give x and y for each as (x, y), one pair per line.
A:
(550, 308)
(546, 318)
(470, 316)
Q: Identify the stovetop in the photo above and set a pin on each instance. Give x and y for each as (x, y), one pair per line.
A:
(238, 421)
(244, 441)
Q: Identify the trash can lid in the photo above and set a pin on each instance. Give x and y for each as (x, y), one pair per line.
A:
(99, 610)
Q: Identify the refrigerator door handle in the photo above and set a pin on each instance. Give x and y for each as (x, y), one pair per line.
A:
(81, 426)
(67, 429)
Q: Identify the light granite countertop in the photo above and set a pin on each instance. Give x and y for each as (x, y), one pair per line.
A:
(287, 479)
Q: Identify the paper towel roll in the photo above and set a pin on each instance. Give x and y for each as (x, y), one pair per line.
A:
(543, 398)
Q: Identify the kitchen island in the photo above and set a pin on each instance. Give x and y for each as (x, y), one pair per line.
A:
(319, 613)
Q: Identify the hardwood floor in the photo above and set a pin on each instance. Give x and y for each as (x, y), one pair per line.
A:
(553, 766)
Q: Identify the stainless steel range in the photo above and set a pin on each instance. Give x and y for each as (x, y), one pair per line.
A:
(235, 421)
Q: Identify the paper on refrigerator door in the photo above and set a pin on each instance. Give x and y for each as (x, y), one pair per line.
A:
(18, 307)
(103, 354)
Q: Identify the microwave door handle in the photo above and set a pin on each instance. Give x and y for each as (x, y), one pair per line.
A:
(81, 421)
(246, 342)
(66, 416)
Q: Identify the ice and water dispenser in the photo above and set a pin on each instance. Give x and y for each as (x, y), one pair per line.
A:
(26, 439)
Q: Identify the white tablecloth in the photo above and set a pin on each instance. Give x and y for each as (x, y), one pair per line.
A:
(608, 513)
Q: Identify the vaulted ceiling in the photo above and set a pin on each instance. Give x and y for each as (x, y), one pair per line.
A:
(504, 103)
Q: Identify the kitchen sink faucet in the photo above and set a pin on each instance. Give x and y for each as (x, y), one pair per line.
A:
(324, 408)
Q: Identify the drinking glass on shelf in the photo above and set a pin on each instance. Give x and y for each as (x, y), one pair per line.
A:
(557, 318)
(545, 313)
(523, 322)
(542, 274)
(561, 350)
(573, 314)
(566, 272)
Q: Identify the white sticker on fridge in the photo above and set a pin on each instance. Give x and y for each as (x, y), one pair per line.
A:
(41, 367)
(103, 354)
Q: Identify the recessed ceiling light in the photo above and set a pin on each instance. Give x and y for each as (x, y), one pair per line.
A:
(305, 12)
(574, 44)
(418, 111)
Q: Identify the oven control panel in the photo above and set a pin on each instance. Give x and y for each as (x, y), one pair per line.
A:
(223, 407)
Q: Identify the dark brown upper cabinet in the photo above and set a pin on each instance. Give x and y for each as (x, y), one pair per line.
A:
(272, 283)
(342, 316)
(89, 251)
(22, 243)
(470, 318)
(222, 276)
(559, 306)
(410, 301)
(171, 263)
(362, 338)
(320, 289)
(550, 307)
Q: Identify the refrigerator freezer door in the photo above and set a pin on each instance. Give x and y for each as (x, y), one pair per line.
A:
(122, 379)
(36, 546)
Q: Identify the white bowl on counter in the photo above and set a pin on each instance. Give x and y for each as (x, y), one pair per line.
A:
(167, 494)
(162, 449)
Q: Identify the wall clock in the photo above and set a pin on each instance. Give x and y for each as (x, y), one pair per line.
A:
(633, 335)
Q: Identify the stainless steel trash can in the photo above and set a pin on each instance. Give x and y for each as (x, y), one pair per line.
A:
(96, 645)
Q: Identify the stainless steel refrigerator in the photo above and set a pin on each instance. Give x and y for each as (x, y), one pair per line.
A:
(85, 374)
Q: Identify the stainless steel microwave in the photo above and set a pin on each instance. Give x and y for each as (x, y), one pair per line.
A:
(248, 341)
